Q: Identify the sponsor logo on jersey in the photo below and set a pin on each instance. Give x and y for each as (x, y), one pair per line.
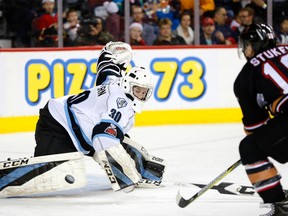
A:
(121, 102)
(111, 130)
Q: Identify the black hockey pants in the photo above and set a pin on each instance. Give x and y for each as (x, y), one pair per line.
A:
(269, 140)
(51, 137)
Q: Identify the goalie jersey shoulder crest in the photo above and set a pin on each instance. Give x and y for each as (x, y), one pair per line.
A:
(111, 130)
(121, 102)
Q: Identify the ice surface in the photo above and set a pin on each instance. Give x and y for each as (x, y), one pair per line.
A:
(194, 154)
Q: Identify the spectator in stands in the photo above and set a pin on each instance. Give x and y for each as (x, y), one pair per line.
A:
(16, 19)
(259, 3)
(232, 7)
(260, 10)
(149, 8)
(148, 30)
(135, 30)
(45, 27)
(207, 35)
(184, 29)
(205, 5)
(92, 32)
(100, 11)
(71, 27)
(113, 20)
(280, 11)
(245, 17)
(235, 23)
(223, 32)
(165, 36)
(282, 34)
(170, 11)
(73, 4)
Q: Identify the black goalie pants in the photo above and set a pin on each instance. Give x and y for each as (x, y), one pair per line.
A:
(51, 137)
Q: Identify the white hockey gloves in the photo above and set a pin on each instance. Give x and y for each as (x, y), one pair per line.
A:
(121, 51)
(150, 167)
(119, 167)
(113, 60)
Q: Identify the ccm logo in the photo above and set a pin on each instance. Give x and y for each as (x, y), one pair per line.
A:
(157, 159)
(16, 162)
(120, 48)
(109, 173)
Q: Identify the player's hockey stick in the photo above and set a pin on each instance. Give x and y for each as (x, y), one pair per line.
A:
(184, 202)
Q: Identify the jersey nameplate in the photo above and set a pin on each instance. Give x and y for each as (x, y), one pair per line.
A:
(101, 90)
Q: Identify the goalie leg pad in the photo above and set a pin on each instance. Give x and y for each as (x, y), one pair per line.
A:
(119, 167)
(42, 174)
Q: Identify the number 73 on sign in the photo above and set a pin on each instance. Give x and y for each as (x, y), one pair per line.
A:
(191, 71)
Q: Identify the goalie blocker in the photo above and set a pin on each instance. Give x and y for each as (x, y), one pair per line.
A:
(129, 165)
(150, 167)
(34, 175)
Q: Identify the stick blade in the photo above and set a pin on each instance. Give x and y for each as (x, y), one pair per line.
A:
(181, 202)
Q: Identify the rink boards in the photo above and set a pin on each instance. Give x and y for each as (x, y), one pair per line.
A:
(192, 84)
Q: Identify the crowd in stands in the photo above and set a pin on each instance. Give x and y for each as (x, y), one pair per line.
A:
(34, 23)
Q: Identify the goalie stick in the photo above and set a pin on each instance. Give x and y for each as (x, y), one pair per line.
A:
(182, 202)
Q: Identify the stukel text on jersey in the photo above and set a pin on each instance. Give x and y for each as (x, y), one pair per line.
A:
(268, 54)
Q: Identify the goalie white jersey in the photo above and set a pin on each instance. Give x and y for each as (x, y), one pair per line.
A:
(95, 119)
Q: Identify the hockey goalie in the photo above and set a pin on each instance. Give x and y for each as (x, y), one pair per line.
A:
(93, 123)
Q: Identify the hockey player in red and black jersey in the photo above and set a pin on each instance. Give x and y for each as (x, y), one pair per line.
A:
(261, 89)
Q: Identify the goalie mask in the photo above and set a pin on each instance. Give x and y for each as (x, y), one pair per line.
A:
(260, 36)
(138, 86)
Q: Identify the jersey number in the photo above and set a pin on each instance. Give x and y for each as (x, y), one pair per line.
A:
(280, 79)
(116, 115)
(78, 98)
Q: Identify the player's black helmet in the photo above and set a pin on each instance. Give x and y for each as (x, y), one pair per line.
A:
(260, 36)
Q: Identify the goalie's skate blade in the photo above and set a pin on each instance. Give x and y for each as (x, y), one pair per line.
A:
(181, 202)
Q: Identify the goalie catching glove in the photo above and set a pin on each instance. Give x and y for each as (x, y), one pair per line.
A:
(113, 60)
(150, 167)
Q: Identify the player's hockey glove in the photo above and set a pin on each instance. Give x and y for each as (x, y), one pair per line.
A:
(113, 60)
(150, 167)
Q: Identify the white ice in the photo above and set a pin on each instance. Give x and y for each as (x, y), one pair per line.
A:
(194, 154)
